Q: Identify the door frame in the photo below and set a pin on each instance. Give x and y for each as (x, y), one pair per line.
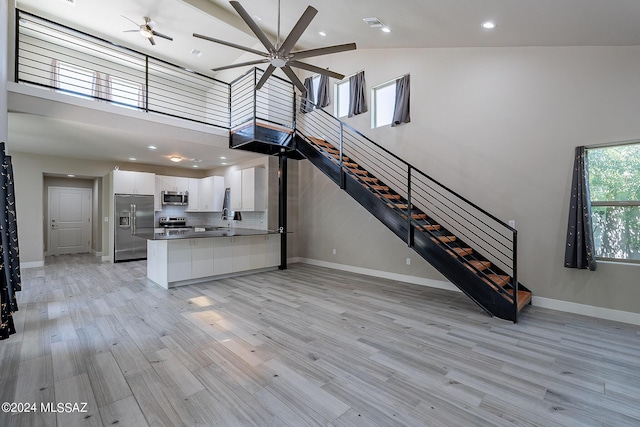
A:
(48, 223)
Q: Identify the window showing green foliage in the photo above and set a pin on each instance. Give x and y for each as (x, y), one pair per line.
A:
(614, 184)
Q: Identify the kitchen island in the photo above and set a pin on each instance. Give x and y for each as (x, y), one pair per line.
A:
(177, 258)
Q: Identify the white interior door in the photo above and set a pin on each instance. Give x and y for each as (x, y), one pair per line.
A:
(69, 220)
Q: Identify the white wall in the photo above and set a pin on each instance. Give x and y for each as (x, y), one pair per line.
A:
(499, 126)
(4, 43)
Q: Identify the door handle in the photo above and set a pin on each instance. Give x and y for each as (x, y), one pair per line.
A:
(133, 219)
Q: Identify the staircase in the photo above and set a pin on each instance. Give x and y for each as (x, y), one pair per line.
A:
(476, 251)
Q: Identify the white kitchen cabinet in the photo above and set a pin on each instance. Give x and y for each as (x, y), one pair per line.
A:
(223, 255)
(157, 200)
(248, 189)
(194, 194)
(211, 194)
(130, 182)
(272, 257)
(202, 259)
(174, 183)
(179, 260)
(241, 253)
(258, 251)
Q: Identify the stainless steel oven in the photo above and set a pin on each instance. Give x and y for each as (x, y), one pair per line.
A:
(176, 198)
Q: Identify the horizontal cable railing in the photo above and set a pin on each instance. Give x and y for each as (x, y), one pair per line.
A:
(60, 58)
(480, 230)
(272, 104)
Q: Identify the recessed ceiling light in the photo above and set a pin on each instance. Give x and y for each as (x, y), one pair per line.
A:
(194, 166)
(224, 163)
(373, 22)
(488, 25)
(223, 158)
(196, 52)
(152, 147)
(322, 33)
(70, 175)
(196, 160)
(132, 159)
(175, 159)
(386, 29)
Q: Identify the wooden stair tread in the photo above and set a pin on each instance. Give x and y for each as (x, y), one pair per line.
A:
(500, 280)
(459, 252)
(428, 227)
(378, 187)
(523, 298)
(350, 165)
(321, 142)
(337, 156)
(392, 196)
(359, 171)
(444, 239)
(480, 265)
(416, 216)
(369, 179)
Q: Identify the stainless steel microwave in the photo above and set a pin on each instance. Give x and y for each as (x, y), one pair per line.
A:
(175, 198)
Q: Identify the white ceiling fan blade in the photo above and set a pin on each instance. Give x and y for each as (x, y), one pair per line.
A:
(265, 76)
(315, 69)
(323, 51)
(253, 26)
(294, 79)
(131, 20)
(241, 64)
(297, 30)
(237, 46)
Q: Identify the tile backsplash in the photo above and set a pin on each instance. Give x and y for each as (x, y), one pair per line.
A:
(256, 220)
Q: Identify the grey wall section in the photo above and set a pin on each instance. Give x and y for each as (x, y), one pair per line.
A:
(4, 52)
(499, 126)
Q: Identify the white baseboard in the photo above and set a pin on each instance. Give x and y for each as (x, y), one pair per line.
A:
(587, 310)
(32, 264)
(554, 304)
(440, 284)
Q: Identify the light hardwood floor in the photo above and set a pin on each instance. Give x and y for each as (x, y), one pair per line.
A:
(305, 346)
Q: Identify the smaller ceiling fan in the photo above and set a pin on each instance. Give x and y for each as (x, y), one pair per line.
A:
(147, 30)
(280, 55)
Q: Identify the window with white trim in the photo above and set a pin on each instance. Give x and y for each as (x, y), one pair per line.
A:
(383, 100)
(614, 187)
(341, 96)
(75, 79)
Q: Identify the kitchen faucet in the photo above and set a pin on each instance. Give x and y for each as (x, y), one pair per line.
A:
(225, 216)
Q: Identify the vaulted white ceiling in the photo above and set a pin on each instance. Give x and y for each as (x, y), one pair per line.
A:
(413, 23)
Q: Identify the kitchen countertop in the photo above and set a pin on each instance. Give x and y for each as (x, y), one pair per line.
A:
(205, 232)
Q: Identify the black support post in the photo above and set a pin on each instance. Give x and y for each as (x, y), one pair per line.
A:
(282, 207)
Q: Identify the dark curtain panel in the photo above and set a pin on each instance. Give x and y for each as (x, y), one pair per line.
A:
(580, 250)
(323, 91)
(401, 112)
(10, 281)
(306, 104)
(357, 101)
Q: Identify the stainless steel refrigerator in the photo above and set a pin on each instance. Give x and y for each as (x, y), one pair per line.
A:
(133, 215)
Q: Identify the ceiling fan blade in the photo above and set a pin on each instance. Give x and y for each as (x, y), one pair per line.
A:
(323, 51)
(152, 41)
(265, 76)
(131, 20)
(241, 64)
(297, 30)
(294, 79)
(253, 26)
(315, 69)
(237, 46)
(131, 31)
(155, 33)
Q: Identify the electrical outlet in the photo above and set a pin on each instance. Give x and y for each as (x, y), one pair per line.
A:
(408, 261)
(334, 251)
(512, 223)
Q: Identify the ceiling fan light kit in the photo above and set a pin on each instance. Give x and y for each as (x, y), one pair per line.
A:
(280, 54)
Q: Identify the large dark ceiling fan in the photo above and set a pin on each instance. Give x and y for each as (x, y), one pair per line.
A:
(280, 55)
(146, 30)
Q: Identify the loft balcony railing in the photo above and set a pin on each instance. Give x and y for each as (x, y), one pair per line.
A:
(66, 60)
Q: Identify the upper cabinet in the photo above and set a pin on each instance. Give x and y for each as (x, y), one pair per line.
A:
(211, 194)
(194, 194)
(174, 183)
(129, 182)
(249, 189)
